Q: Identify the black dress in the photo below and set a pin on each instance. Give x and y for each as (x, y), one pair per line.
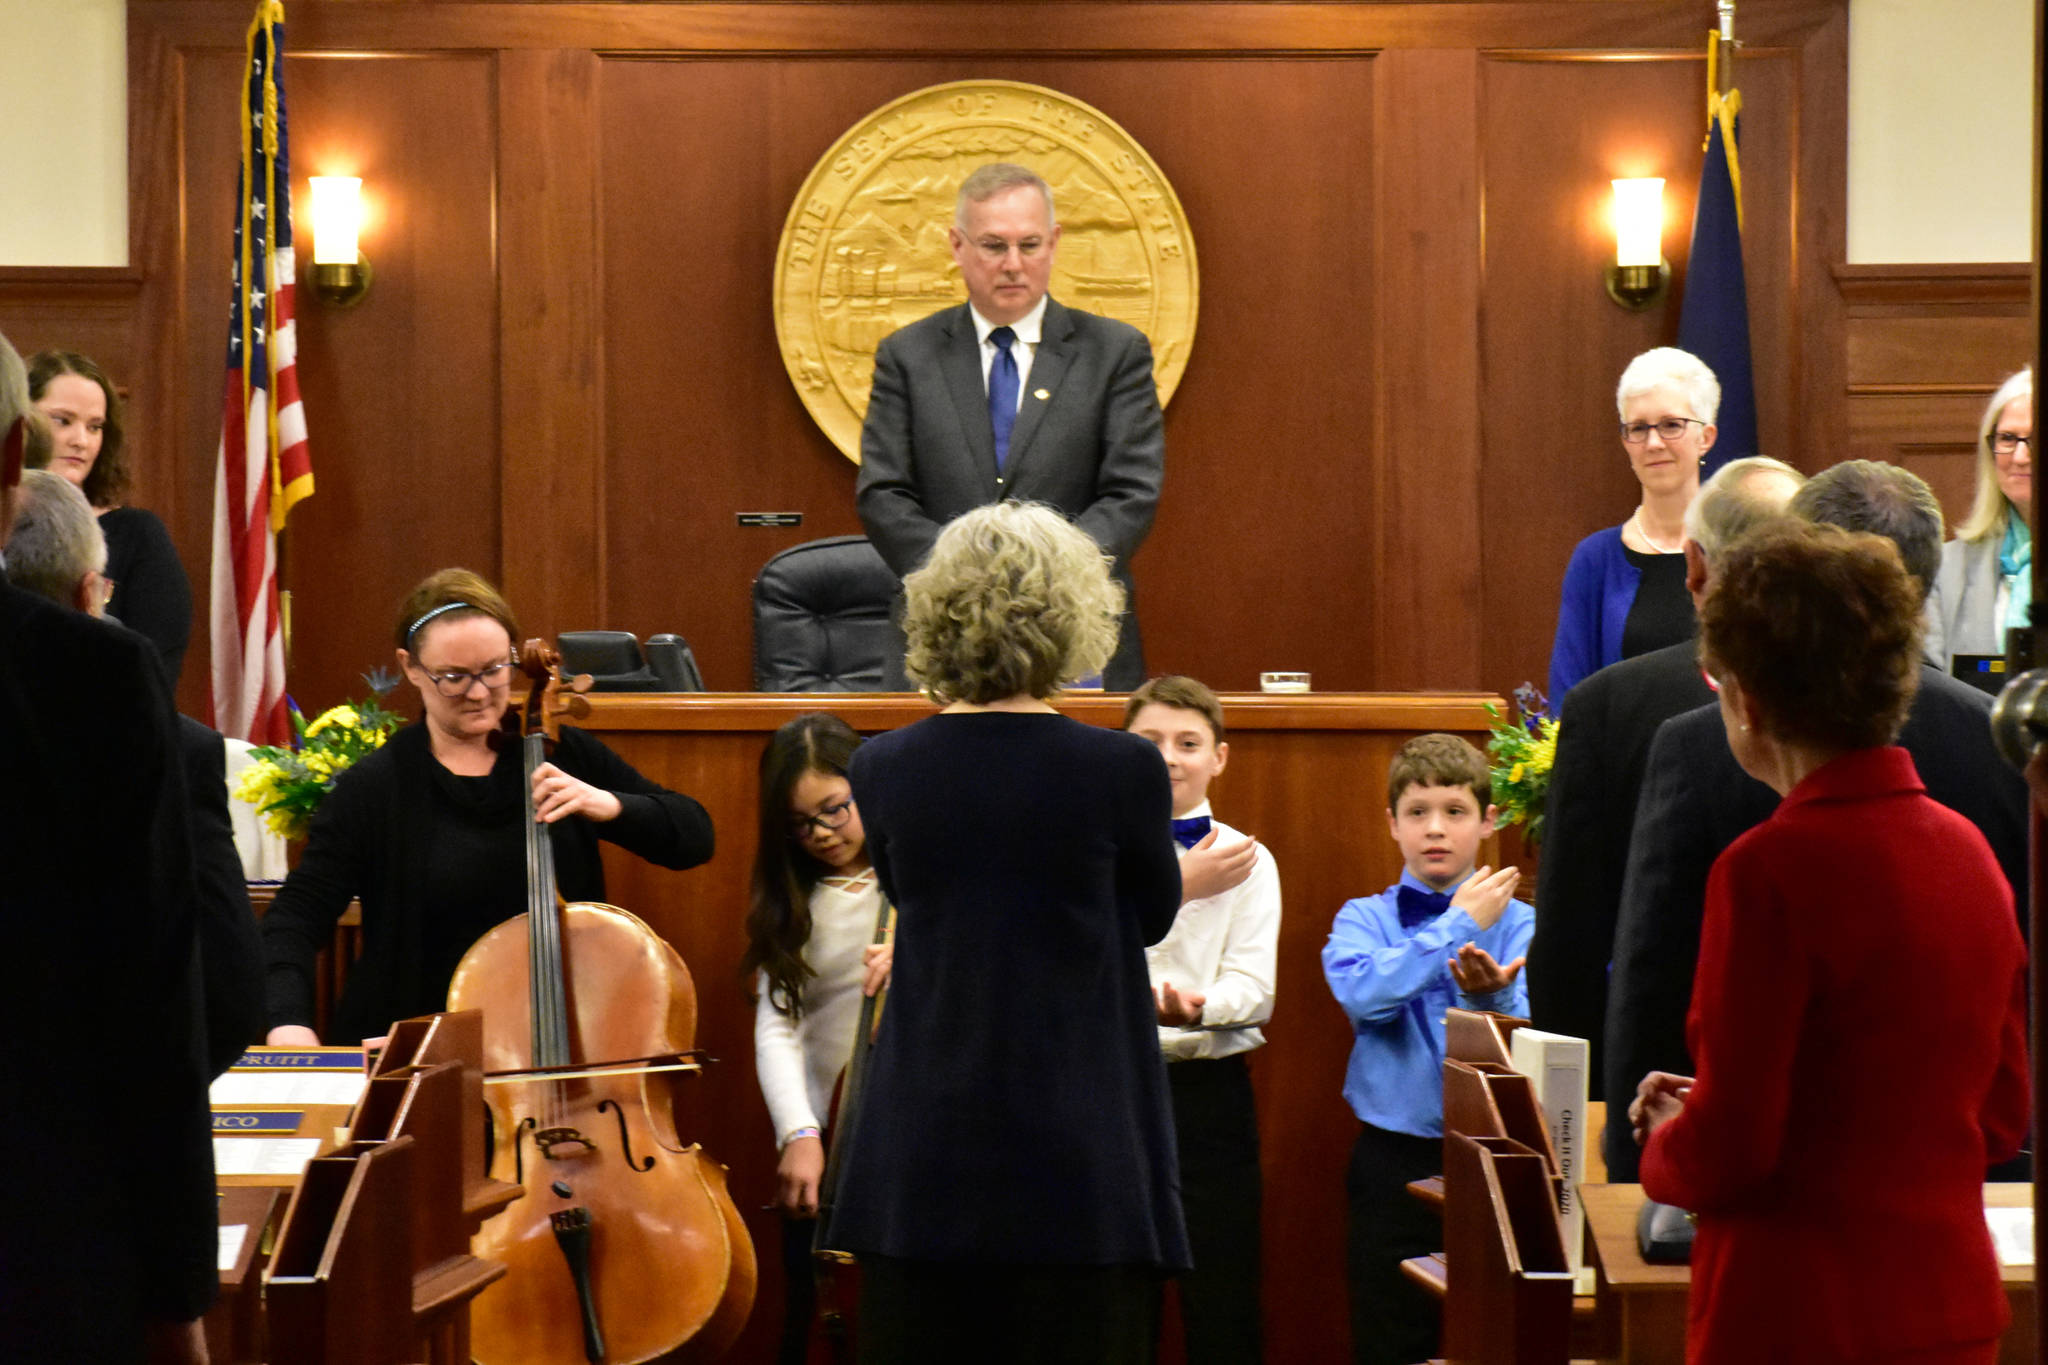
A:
(437, 860)
(152, 596)
(1016, 1109)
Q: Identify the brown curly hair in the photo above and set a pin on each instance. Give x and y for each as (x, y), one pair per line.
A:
(1439, 760)
(1821, 628)
(108, 481)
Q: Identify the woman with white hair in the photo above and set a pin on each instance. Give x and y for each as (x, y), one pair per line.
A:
(1986, 582)
(1010, 1180)
(1624, 591)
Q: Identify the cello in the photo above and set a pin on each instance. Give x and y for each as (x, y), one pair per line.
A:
(626, 1246)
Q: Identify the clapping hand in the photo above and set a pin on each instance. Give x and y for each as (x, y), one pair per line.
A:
(1476, 973)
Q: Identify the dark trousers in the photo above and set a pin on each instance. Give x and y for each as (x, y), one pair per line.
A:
(933, 1313)
(1393, 1320)
(800, 1292)
(1217, 1126)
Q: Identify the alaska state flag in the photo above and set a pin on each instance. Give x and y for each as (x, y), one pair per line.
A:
(1713, 319)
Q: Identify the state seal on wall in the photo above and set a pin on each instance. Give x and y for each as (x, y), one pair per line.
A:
(864, 251)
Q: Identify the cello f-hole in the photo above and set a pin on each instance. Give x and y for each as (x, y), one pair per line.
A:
(519, 1150)
(625, 1138)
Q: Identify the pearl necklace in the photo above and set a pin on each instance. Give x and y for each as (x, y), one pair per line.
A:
(1637, 521)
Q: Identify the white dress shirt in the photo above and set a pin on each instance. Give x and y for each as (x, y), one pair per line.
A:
(798, 1061)
(1223, 947)
(1028, 328)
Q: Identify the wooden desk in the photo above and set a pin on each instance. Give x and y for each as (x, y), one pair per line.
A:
(1641, 1306)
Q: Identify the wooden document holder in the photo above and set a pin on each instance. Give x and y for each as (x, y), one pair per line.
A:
(373, 1265)
(1510, 1300)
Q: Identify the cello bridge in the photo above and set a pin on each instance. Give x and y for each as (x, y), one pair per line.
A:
(547, 1139)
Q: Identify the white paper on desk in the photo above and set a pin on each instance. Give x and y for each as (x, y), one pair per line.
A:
(287, 1087)
(263, 1156)
(231, 1238)
(2012, 1232)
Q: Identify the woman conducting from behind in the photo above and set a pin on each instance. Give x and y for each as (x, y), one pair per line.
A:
(1986, 583)
(151, 593)
(1010, 1176)
(811, 926)
(1624, 590)
(1859, 1016)
(429, 831)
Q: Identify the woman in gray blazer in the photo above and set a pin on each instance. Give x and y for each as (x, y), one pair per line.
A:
(1985, 584)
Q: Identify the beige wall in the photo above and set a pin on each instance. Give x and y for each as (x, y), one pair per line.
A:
(64, 104)
(1940, 130)
(1939, 99)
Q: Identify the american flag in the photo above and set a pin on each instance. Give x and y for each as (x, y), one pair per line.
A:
(265, 464)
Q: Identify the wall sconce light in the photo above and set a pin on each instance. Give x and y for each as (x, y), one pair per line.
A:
(340, 273)
(1640, 275)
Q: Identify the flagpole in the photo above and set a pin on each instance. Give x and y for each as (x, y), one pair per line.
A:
(1726, 11)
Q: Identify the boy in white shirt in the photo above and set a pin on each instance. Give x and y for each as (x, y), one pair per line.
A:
(1212, 979)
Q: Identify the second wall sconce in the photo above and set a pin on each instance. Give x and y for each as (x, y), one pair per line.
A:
(1640, 275)
(341, 275)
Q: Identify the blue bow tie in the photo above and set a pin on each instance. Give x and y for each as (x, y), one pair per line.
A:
(1191, 831)
(1416, 906)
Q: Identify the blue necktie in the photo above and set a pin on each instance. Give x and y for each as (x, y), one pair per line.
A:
(1191, 831)
(1002, 393)
(1416, 907)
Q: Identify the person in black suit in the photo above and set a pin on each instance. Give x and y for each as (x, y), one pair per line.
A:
(1013, 395)
(1607, 723)
(1697, 800)
(108, 1245)
(58, 552)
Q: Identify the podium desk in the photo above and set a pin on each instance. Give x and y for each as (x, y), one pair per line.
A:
(1641, 1307)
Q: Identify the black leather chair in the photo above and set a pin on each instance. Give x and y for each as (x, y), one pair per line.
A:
(822, 620)
(616, 663)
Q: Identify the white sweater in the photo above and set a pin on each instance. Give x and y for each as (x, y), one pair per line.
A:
(799, 1060)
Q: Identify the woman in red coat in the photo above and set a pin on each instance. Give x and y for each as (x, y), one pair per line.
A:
(1859, 1016)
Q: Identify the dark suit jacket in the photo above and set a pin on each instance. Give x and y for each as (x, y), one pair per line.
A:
(1093, 447)
(1602, 744)
(1696, 801)
(230, 950)
(102, 1070)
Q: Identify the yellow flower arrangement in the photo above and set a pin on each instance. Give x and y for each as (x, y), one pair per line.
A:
(287, 785)
(1523, 752)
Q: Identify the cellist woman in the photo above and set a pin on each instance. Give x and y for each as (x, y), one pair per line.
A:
(427, 831)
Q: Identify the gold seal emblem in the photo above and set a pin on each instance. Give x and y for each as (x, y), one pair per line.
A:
(864, 249)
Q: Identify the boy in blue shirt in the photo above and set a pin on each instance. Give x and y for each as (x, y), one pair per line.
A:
(1396, 962)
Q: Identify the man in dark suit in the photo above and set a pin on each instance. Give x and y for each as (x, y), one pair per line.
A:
(1697, 800)
(57, 551)
(107, 1246)
(1607, 723)
(1013, 395)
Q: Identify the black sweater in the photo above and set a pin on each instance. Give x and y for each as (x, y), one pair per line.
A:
(436, 861)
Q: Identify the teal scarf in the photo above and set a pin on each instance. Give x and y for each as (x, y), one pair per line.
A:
(2016, 562)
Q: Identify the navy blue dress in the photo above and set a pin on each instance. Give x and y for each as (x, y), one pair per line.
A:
(1016, 1107)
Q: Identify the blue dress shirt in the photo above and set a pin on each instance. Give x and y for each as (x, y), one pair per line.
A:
(1395, 984)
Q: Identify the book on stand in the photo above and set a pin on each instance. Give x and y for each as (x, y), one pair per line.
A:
(1556, 1066)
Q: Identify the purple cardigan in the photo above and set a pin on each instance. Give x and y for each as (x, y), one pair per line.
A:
(1599, 588)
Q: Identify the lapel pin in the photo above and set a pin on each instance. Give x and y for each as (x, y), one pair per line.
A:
(1041, 394)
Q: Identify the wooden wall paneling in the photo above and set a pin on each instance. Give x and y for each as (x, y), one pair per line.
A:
(906, 26)
(1819, 220)
(1924, 348)
(92, 311)
(552, 342)
(1426, 452)
(1556, 130)
(705, 422)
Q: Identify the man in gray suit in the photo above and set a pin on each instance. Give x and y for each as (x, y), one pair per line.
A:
(1013, 395)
